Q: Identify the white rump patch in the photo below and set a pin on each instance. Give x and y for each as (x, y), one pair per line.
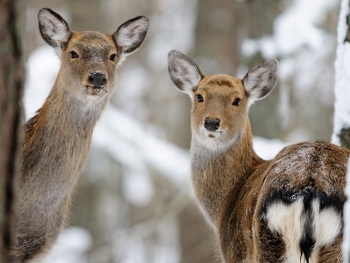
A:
(327, 226)
(289, 221)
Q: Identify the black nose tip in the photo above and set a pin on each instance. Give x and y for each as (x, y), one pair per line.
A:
(211, 124)
(97, 79)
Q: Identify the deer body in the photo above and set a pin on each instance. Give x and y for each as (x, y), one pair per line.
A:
(288, 209)
(57, 140)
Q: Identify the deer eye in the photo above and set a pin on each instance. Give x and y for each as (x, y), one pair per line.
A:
(113, 57)
(73, 54)
(199, 98)
(236, 101)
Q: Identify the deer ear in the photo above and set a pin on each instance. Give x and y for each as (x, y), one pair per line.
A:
(54, 29)
(130, 35)
(260, 80)
(183, 72)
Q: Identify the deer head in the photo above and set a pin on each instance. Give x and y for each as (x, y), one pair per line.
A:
(90, 59)
(220, 103)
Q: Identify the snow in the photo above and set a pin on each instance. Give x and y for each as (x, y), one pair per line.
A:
(128, 141)
(71, 246)
(138, 188)
(133, 90)
(294, 29)
(267, 148)
(42, 68)
(304, 49)
(177, 18)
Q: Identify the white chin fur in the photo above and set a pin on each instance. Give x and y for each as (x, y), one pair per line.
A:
(214, 141)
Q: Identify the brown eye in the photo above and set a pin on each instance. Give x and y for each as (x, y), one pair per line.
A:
(236, 102)
(199, 98)
(73, 54)
(113, 57)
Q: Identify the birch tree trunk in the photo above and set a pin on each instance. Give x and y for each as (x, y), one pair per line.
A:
(341, 131)
(11, 86)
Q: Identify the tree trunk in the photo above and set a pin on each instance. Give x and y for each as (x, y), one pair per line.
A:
(11, 88)
(216, 36)
(341, 131)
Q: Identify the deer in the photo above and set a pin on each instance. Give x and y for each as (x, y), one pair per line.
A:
(57, 140)
(288, 209)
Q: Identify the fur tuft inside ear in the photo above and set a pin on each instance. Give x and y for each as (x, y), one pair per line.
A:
(130, 35)
(183, 72)
(54, 29)
(261, 80)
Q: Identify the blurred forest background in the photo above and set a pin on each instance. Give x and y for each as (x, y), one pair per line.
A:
(134, 203)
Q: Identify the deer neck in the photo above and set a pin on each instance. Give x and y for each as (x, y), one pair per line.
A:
(57, 140)
(216, 174)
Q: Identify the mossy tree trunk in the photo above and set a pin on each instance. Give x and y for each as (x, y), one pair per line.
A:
(11, 88)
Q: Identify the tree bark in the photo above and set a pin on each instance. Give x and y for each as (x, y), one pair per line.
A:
(11, 89)
(216, 36)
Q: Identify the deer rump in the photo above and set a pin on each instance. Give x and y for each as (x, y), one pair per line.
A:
(290, 209)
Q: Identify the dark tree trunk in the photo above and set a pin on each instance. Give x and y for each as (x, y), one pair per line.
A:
(11, 88)
(216, 36)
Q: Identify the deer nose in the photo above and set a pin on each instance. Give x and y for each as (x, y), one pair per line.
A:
(97, 79)
(211, 124)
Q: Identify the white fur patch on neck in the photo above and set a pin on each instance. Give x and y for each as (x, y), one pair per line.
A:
(215, 144)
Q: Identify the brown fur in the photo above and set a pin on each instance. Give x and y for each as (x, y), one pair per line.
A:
(57, 139)
(233, 184)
